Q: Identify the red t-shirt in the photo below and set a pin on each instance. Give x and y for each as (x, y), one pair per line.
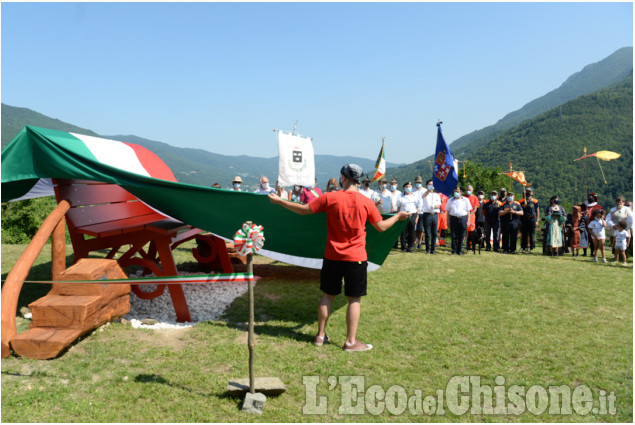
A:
(346, 215)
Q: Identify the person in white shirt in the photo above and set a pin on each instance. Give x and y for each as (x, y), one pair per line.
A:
(459, 209)
(430, 208)
(368, 192)
(385, 201)
(395, 194)
(622, 239)
(410, 203)
(617, 213)
(597, 227)
(264, 187)
(418, 190)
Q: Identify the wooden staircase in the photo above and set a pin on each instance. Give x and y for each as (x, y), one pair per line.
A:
(71, 310)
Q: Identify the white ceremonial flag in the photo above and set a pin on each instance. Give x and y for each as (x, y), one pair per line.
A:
(296, 165)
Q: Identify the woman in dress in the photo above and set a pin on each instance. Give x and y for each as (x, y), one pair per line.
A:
(554, 239)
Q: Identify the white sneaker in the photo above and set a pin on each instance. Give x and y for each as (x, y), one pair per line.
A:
(594, 259)
(604, 260)
(625, 264)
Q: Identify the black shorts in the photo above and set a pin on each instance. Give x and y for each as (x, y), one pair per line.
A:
(419, 226)
(353, 272)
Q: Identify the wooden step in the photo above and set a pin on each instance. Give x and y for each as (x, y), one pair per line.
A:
(44, 343)
(116, 308)
(92, 269)
(77, 312)
(60, 311)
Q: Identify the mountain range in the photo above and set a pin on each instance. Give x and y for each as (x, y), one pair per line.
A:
(195, 166)
(594, 104)
(612, 71)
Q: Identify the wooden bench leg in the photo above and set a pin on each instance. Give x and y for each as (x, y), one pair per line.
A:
(223, 255)
(176, 291)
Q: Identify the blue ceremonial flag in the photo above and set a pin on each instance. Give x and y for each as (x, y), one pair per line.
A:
(444, 176)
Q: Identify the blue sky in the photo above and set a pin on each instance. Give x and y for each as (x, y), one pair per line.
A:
(221, 76)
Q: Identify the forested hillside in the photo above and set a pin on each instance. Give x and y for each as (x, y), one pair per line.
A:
(605, 73)
(14, 119)
(546, 146)
(593, 77)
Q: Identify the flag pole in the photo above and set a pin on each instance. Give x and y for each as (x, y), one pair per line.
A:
(511, 181)
(586, 183)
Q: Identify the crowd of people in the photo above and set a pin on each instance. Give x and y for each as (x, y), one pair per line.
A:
(494, 223)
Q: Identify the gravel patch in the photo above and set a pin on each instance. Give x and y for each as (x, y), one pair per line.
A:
(207, 301)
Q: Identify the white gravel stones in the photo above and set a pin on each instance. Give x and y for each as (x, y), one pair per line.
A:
(207, 301)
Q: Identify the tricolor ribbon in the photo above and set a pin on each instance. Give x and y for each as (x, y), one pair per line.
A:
(161, 280)
(249, 239)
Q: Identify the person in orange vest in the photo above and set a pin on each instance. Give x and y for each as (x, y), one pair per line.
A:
(529, 221)
(443, 220)
(471, 225)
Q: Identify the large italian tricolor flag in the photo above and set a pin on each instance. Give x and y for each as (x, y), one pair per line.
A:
(36, 155)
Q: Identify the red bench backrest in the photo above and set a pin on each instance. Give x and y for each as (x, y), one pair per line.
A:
(95, 202)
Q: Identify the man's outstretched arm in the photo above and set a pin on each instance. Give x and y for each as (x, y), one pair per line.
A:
(302, 209)
(386, 224)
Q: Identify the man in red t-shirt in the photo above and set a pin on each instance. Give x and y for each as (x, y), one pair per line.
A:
(345, 255)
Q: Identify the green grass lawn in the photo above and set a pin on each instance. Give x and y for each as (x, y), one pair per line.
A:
(532, 320)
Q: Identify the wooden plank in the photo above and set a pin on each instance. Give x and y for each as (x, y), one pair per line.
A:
(86, 216)
(44, 343)
(93, 194)
(119, 226)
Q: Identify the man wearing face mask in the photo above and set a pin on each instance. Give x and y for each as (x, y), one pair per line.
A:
(502, 195)
(491, 209)
(385, 196)
(264, 187)
(236, 183)
(509, 213)
(368, 192)
(529, 221)
(395, 194)
(418, 190)
(410, 203)
(430, 207)
(459, 209)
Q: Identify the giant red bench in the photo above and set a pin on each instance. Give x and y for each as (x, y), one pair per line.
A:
(107, 217)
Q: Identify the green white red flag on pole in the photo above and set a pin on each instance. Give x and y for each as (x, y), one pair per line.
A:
(380, 164)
